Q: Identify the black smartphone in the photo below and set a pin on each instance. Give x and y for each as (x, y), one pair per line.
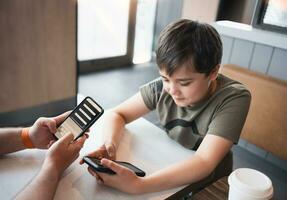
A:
(80, 119)
(97, 166)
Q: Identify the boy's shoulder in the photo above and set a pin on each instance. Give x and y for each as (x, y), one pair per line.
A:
(229, 91)
(230, 86)
(155, 85)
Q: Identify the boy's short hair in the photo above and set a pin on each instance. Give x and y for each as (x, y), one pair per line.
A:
(190, 43)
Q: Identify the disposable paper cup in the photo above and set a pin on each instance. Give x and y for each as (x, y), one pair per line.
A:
(249, 184)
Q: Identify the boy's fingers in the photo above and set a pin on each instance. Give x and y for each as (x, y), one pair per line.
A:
(111, 151)
(97, 153)
(112, 165)
(91, 171)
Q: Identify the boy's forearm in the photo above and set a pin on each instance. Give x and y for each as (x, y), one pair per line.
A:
(113, 128)
(186, 172)
(10, 140)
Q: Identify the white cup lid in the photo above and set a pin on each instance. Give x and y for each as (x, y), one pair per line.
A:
(251, 181)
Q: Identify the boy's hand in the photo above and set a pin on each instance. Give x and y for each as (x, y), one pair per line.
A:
(107, 150)
(124, 180)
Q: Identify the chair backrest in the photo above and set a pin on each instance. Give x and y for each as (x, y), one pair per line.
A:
(266, 123)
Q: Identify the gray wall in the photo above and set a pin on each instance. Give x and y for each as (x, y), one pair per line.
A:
(257, 57)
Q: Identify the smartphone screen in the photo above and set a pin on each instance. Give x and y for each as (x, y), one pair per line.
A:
(80, 119)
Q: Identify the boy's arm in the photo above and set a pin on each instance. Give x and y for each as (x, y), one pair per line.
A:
(117, 118)
(211, 151)
(200, 165)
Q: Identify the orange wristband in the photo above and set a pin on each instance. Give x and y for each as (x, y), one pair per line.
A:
(26, 139)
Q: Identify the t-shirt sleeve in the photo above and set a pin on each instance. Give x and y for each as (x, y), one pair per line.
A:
(230, 117)
(151, 92)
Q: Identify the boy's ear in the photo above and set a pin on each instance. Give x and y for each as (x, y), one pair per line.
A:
(214, 73)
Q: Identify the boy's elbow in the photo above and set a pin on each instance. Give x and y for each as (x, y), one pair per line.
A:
(116, 115)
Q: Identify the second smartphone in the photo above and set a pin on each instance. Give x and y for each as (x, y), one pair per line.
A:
(95, 164)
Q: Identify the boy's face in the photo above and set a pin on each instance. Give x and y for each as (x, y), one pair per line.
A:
(186, 86)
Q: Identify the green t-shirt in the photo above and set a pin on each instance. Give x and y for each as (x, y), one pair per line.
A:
(223, 114)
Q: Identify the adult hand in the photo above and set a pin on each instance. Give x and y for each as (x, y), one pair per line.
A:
(43, 130)
(124, 180)
(63, 152)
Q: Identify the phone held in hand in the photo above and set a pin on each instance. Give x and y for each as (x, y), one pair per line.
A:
(95, 164)
(80, 119)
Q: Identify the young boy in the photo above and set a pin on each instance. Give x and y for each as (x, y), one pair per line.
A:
(198, 107)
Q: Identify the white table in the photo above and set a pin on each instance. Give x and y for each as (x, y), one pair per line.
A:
(143, 144)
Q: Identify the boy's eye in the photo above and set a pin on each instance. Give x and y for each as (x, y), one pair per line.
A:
(185, 83)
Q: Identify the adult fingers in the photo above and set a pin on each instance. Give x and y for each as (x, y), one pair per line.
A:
(79, 143)
(51, 143)
(67, 139)
(51, 124)
(87, 135)
(60, 118)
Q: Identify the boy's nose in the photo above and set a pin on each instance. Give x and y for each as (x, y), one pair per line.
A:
(173, 90)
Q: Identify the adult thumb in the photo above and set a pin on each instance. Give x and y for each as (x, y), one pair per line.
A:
(67, 139)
